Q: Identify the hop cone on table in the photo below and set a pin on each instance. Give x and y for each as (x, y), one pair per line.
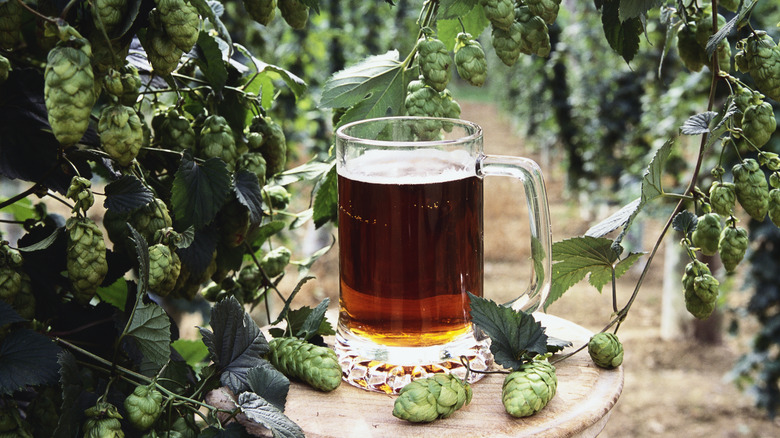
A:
(434, 62)
(427, 399)
(751, 188)
(707, 233)
(606, 350)
(529, 389)
(732, 246)
(262, 11)
(313, 364)
(86, 259)
(723, 197)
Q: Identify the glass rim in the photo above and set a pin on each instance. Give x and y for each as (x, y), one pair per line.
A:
(468, 126)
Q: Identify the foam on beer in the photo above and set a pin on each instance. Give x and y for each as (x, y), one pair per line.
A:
(421, 166)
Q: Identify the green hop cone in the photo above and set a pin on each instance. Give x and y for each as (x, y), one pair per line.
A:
(81, 193)
(529, 389)
(606, 350)
(181, 22)
(732, 246)
(450, 108)
(707, 234)
(24, 301)
(164, 269)
(255, 163)
(143, 407)
(110, 13)
(430, 398)
(273, 146)
(501, 13)
(69, 90)
(751, 188)
(277, 197)
(103, 422)
(315, 365)
(507, 43)
(175, 132)
(423, 101)
(691, 52)
(774, 206)
(86, 257)
(11, 279)
(5, 68)
(547, 10)
(112, 82)
(761, 57)
(10, 24)
(695, 305)
(706, 287)
(130, 80)
(120, 133)
(250, 279)
(434, 62)
(216, 140)
(161, 51)
(723, 197)
(730, 5)
(274, 262)
(759, 123)
(470, 60)
(295, 13)
(149, 219)
(535, 38)
(262, 11)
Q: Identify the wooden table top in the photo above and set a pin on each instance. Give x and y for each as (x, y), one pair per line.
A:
(580, 407)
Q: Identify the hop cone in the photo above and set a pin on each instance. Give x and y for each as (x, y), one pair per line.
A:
(706, 287)
(86, 259)
(69, 91)
(534, 37)
(759, 123)
(751, 188)
(606, 350)
(508, 42)
(151, 218)
(10, 24)
(161, 51)
(124, 84)
(110, 13)
(24, 301)
(529, 389)
(120, 133)
(427, 399)
(5, 68)
(450, 108)
(175, 132)
(423, 101)
(470, 60)
(180, 21)
(262, 11)
(81, 193)
(547, 10)
(434, 62)
(723, 197)
(315, 365)
(164, 269)
(295, 13)
(143, 407)
(274, 144)
(762, 60)
(103, 422)
(277, 197)
(707, 233)
(691, 53)
(11, 281)
(701, 289)
(774, 206)
(732, 246)
(274, 262)
(255, 163)
(501, 13)
(216, 140)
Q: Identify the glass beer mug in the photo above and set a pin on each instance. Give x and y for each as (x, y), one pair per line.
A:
(410, 233)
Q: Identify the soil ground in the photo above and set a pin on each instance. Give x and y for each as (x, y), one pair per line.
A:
(673, 388)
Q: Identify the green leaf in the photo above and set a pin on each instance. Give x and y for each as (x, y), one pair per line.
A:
(652, 185)
(151, 330)
(235, 345)
(43, 244)
(309, 171)
(270, 384)
(27, 358)
(142, 253)
(516, 337)
(72, 387)
(8, 315)
(685, 222)
(474, 22)
(249, 193)
(622, 36)
(298, 318)
(266, 231)
(126, 194)
(326, 199)
(375, 87)
(262, 412)
(210, 62)
(21, 209)
(206, 10)
(555, 345)
(288, 301)
(316, 318)
(637, 8)
(614, 221)
(698, 124)
(267, 73)
(199, 190)
(304, 266)
(193, 352)
(456, 8)
(114, 294)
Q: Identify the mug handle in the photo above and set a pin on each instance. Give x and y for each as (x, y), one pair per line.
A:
(529, 173)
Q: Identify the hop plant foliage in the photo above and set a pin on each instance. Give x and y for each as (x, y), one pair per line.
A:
(174, 131)
(161, 51)
(217, 141)
(501, 13)
(723, 197)
(759, 123)
(103, 422)
(427, 399)
(700, 289)
(315, 365)
(760, 56)
(109, 14)
(508, 43)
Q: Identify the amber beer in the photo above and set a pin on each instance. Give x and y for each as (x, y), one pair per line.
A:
(410, 249)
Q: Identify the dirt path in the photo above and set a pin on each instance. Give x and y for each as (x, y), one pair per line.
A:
(672, 388)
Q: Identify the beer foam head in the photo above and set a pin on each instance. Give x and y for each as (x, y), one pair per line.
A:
(387, 166)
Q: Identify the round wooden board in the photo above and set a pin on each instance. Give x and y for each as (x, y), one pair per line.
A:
(581, 406)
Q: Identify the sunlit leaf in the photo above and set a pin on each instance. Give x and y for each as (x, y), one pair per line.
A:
(151, 330)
